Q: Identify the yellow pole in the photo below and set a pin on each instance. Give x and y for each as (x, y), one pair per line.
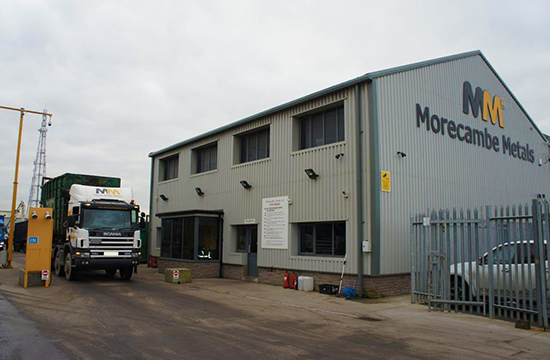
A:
(14, 199)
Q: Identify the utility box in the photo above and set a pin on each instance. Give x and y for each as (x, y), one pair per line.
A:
(39, 248)
(178, 275)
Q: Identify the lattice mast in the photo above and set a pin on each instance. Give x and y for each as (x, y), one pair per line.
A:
(39, 170)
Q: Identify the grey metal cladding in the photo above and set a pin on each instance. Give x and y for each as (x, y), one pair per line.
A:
(441, 172)
(281, 174)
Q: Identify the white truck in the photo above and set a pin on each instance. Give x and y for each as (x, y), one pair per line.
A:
(102, 231)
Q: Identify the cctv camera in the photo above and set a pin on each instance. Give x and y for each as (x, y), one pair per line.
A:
(540, 162)
(48, 216)
(34, 215)
(338, 156)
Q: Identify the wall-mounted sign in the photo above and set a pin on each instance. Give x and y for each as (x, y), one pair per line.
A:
(275, 223)
(249, 221)
(490, 108)
(385, 181)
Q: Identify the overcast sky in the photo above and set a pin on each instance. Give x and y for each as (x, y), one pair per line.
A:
(124, 78)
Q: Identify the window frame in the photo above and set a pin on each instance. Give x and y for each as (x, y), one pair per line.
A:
(333, 237)
(198, 156)
(244, 141)
(163, 167)
(196, 221)
(309, 127)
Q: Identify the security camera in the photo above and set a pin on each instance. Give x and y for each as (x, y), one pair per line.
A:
(540, 162)
(345, 194)
(48, 216)
(401, 153)
(338, 156)
(34, 215)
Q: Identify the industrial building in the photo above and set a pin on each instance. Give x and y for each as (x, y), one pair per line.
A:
(339, 172)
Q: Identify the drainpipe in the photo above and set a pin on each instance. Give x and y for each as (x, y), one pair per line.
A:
(359, 140)
(151, 217)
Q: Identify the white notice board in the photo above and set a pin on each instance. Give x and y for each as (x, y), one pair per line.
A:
(275, 223)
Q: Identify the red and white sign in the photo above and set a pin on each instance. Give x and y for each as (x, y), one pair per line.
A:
(45, 274)
(176, 274)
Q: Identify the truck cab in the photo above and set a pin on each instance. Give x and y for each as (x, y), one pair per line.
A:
(102, 232)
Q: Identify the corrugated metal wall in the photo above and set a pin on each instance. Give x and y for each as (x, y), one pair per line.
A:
(280, 175)
(443, 172)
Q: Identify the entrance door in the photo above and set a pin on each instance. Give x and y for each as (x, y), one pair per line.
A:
(252, 235)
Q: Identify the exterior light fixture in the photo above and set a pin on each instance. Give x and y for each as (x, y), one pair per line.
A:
(401, 153)
(311, 174)
(199, 191)
(163, 197)
(245, 184)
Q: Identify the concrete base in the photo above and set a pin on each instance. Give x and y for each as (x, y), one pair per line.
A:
(34, 279)
(185, 275)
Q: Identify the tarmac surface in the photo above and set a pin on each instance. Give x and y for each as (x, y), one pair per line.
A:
(99, 317)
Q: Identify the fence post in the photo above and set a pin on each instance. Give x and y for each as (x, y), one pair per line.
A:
(488, 236)
(413, 262)
(540, 276)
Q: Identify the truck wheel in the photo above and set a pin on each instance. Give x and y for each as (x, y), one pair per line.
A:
(57, 265)
(125, 273)
(70, 272)
(110, 272)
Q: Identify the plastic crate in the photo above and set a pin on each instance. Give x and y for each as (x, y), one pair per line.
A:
(328, 289)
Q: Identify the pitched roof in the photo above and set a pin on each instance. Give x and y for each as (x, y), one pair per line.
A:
(367, 77)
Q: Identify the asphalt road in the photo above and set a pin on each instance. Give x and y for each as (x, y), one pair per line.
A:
(99, 317)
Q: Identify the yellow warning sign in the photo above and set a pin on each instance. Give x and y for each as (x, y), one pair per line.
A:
(385, 181)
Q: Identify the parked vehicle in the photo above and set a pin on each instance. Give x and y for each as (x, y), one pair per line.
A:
(2, 232)
(513, 272)
(96, 225)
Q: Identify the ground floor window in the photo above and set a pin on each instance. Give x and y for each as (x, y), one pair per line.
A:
(190, 238)
(323, 239)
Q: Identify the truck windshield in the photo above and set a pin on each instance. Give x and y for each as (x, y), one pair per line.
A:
(100, 219)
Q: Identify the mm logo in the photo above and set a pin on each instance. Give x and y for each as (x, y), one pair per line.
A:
(490, 106)
(113, 192)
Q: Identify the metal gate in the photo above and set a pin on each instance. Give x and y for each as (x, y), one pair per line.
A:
(489, 261)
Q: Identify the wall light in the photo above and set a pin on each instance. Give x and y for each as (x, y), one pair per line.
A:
(245, 184)
(312, 175)
(199, 191)
(163, 197)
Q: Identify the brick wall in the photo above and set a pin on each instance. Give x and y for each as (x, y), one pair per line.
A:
(200, 270)
(373, 286)
(236, 272)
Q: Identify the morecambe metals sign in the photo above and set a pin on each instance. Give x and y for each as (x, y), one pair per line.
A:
(490, 108)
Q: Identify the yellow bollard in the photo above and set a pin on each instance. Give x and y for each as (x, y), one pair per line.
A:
(39, 245)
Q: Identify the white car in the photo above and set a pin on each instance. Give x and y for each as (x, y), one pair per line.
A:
(513, 272)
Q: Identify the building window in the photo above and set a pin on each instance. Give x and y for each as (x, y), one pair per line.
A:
(254, 146)
(323, 239)
(190, 238)
(206, 158)
(322, 128)
(168, 168)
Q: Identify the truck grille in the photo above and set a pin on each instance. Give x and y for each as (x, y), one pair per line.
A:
(113, 247)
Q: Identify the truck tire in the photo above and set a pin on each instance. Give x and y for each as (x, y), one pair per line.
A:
(110, 272)
(70, 272)
(125, 273)
(58, 264)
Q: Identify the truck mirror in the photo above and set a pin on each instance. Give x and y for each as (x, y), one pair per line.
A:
(66, 194)
(71, 220)
(143, 215)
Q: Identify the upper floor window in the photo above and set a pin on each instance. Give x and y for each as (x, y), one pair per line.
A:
(322, 128)
(207, 158)
(324, 239)
(168, 168)
(254, 146)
